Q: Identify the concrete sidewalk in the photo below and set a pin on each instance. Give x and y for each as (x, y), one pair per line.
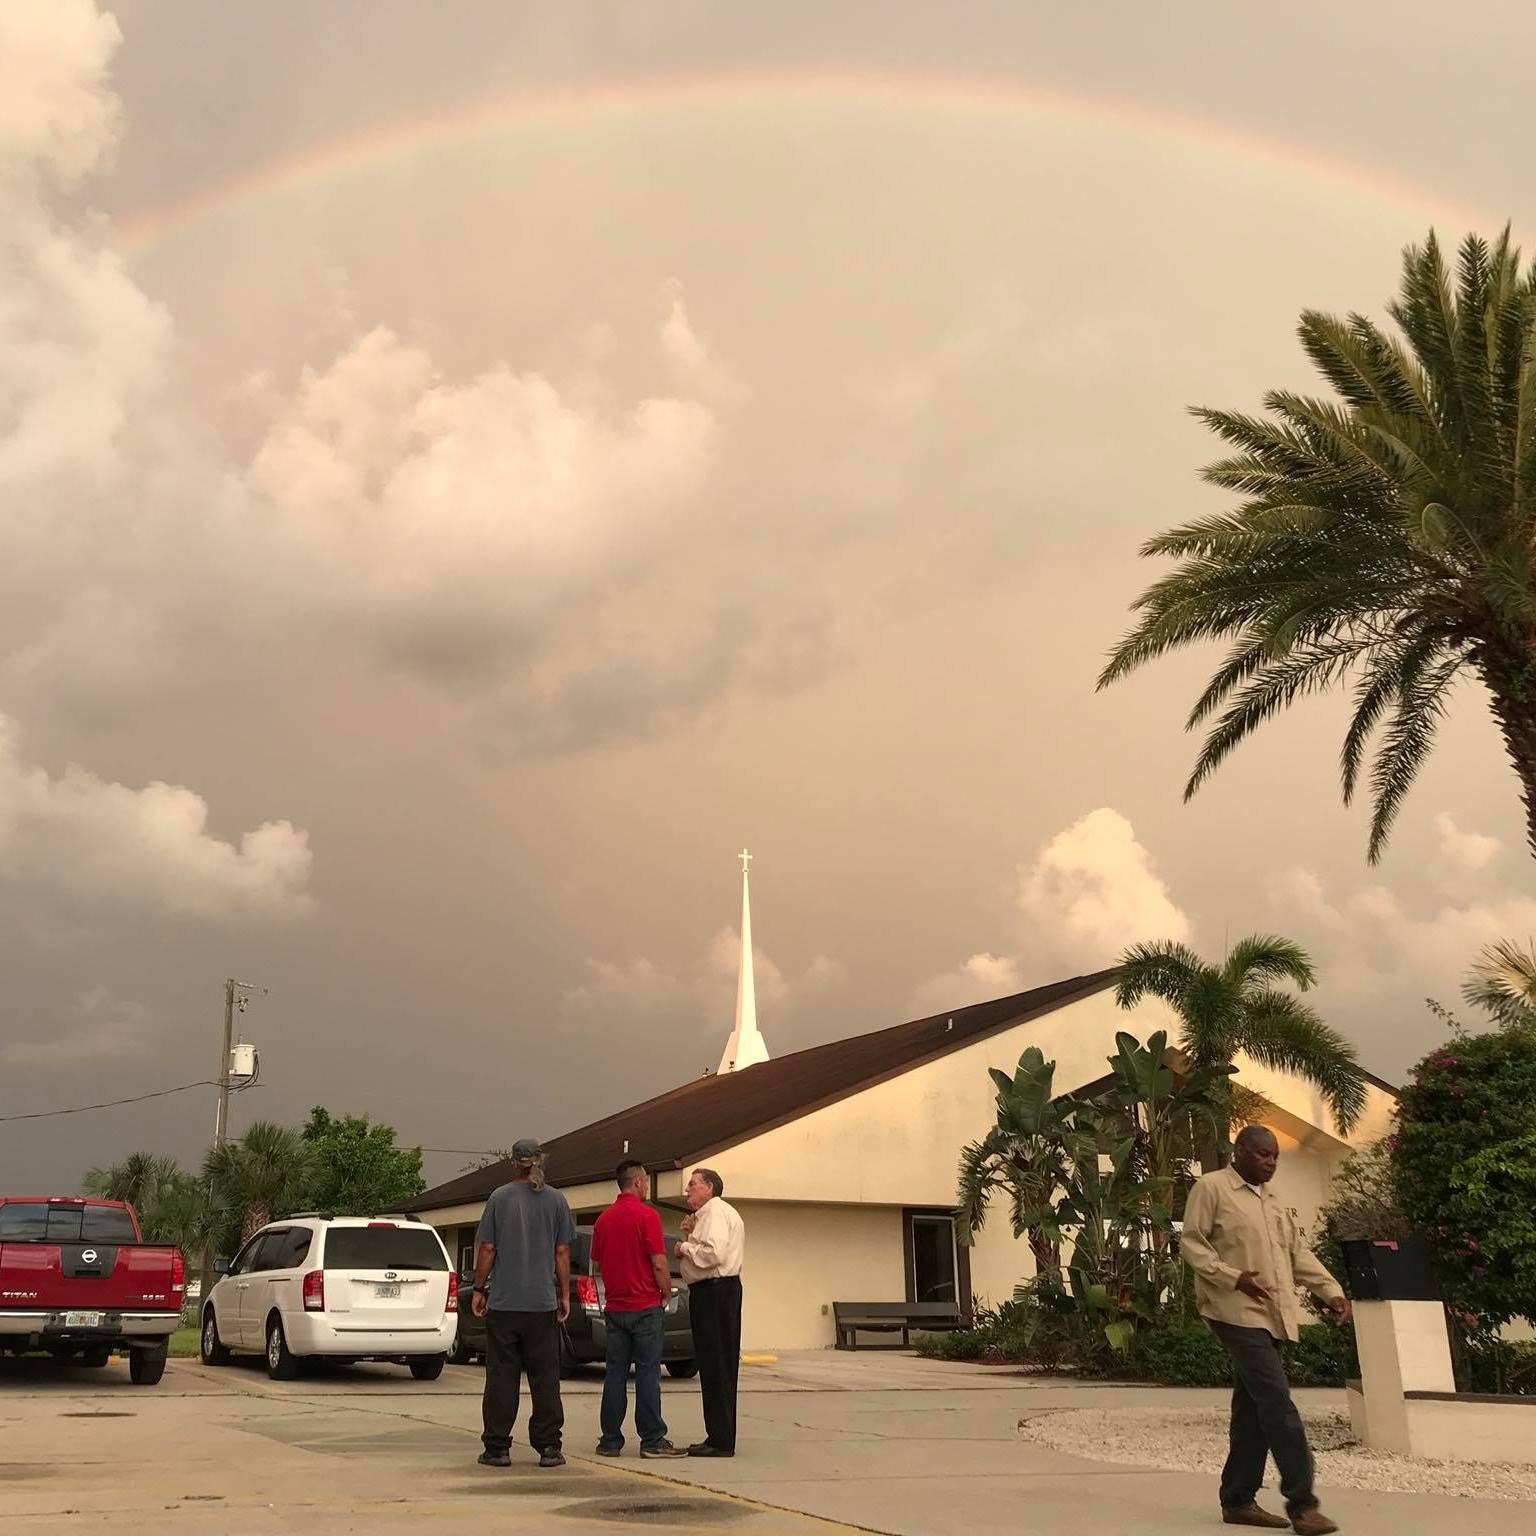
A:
(913, 1447)
(872, 1442)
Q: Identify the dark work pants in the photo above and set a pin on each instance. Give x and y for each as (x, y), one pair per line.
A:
(714, 1309)
(516, 1342)
(1264, 1422)
(633, 1337)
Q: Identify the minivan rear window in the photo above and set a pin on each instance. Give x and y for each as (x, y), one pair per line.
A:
(383, 1248)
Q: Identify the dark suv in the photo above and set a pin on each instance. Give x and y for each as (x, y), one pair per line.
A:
(584, 1338)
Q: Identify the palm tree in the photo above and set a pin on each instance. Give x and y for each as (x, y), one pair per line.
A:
(1165, 1102)
(1235, 1007)
(181, 1211)
(262, 1175)
(135, 1179)
(1024, 1154)
(1385, 537)
(1502, 981)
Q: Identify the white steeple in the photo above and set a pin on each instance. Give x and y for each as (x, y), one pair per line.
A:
(746, 1047)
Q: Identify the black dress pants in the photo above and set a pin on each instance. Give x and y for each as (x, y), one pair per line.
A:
(714, 1309)
(1264, 1423)
(516, 1342)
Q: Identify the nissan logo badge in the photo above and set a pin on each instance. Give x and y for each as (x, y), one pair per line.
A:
(88, 1256)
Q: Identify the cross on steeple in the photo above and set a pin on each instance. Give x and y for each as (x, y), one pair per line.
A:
(746, 858)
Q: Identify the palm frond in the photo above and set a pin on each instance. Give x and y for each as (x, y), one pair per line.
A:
(1406, 743)
(1268, 957)
(1392, 672)
(1502, 981)
(1313, 669)
(1385, 536)
(1281, 1032)
(1164, 969)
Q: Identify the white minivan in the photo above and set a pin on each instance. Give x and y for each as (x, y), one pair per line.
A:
(338, 1287)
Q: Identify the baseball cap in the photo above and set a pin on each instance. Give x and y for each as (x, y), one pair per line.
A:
(527, 1147)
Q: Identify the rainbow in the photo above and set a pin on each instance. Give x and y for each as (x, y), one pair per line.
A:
(904, 92)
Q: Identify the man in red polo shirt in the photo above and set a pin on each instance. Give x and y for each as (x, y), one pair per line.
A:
(628, 1251)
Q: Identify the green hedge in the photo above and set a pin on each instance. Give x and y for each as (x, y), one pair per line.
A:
(1173, 1352)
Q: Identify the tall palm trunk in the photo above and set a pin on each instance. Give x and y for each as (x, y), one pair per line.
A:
(1046, 1253)
(257, 1214)
(1511, 681)
(1215, 1140)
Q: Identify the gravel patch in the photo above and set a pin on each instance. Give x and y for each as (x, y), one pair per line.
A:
(1184, 1440)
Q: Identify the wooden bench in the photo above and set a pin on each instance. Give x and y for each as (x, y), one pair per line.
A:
(850, 1317)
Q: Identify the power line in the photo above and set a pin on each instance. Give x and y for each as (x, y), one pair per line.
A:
(163, 1093)
(80, 1109)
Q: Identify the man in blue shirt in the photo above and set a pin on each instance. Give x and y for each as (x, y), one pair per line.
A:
(523, 1291)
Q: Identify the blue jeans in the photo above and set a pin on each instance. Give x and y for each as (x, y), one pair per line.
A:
(633, 1337)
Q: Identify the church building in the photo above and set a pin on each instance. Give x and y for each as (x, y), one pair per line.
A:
(842, 1158)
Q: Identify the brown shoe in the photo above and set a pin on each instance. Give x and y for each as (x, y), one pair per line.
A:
(1312, 1522)
(1251, 1514)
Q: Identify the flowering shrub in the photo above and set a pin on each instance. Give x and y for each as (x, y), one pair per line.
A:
(1465, 1160)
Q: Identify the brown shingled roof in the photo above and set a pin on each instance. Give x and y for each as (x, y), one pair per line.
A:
(710, 1113)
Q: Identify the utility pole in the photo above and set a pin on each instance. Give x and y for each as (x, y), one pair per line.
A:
(232, 999)
(221, 1122)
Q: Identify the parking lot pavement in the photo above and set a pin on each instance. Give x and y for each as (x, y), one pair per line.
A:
(829, 1443)
(364, 1448)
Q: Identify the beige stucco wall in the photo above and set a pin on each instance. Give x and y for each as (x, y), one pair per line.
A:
(802, 1258)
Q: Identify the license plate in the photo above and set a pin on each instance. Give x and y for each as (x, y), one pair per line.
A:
(82, 1319)
(387, 1292)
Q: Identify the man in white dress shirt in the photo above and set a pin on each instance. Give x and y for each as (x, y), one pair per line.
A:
(710, 1255)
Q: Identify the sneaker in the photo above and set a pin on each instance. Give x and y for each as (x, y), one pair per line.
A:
(704, 1448)
(610, 1450)
(550, 1457)
(495, 1458)
(663, 1449)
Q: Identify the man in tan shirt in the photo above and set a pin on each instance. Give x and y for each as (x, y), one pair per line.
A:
(1249, 1256)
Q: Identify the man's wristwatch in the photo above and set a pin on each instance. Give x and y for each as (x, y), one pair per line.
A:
(479, 1290)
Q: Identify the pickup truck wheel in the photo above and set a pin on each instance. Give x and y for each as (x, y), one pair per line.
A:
(429, 1367)
(145, 1366)
(212, 1351)
(96, 1357)
(282, 1365)
(683, 1368)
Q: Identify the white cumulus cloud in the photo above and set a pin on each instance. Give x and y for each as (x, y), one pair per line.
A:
(1093, 890)
(100, 843)
(980, 978)
(1090, 892)
(1379, 954)
(1465, 850)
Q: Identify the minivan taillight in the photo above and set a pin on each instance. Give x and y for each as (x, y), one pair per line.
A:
(586, 1291)
(178, 1270)
(453, 1292)
(314, 1291)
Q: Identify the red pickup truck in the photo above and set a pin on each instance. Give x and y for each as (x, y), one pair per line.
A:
(76, 1283)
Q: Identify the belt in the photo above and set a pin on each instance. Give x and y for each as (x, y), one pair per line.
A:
(693, 1285)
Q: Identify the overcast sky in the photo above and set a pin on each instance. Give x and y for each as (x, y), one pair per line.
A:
(467, 469)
